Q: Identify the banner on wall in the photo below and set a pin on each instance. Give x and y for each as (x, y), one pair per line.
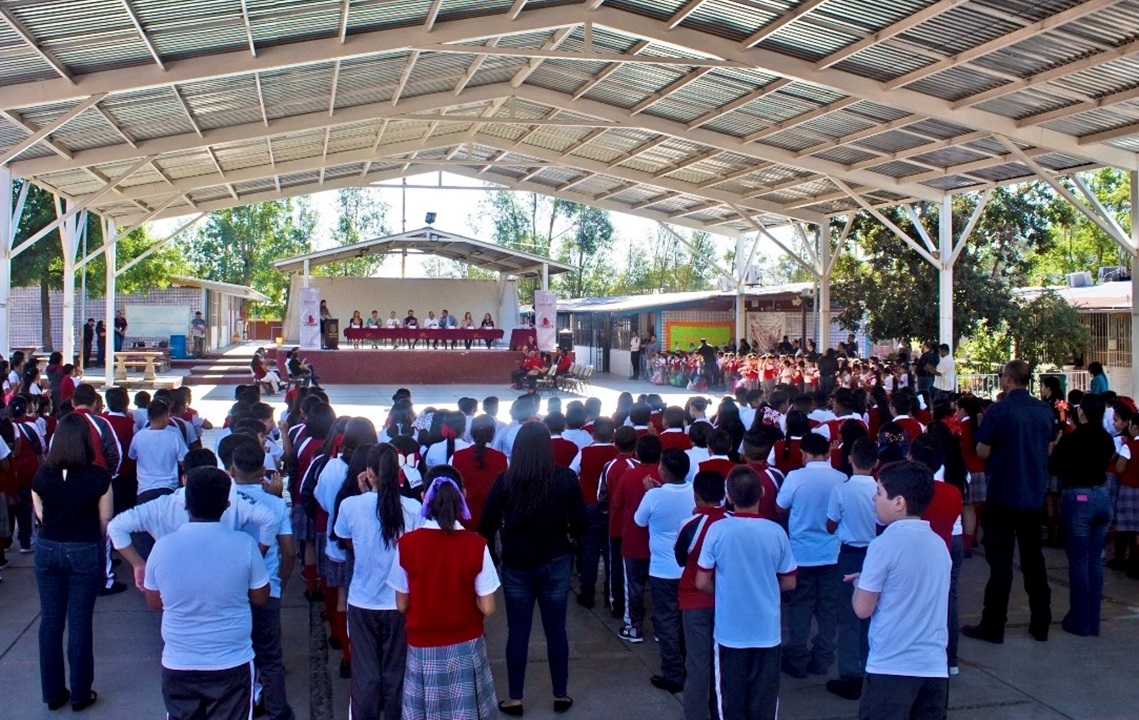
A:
(685, 336)
(310, 318)
(766, 330)
(546, 318)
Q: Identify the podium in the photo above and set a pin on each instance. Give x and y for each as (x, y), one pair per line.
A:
(331, 339)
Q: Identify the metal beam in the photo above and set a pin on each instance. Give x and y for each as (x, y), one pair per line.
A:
(142, 34)
(33, 44)
(910, 21)
(144, 219)
(161, 243)
(474, 67)
(1004, 41)
(1116, 98)
(970, 226)
(745, 99)
(516, 9)
(679, 84)
(806, 117)
(557, 39)
(405, 76)
(43, 132)
(901, 234)
(762, 230)
(788, 17)
(609, 69)
(696, 251)
(432, 15)
(248, 28)
(345, 8)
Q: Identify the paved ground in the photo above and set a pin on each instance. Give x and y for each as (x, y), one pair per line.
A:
(1067, 677)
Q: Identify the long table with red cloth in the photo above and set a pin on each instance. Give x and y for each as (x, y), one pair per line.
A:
(374, 333)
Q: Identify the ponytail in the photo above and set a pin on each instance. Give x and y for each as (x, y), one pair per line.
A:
(444, 502)
(389, 509)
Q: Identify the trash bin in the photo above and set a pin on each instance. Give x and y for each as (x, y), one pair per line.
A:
(178, 347)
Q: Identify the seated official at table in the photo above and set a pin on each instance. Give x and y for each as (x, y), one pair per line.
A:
(487, 323)
(432, 323)
(356, 321)
(448, 322)
(374, 321)
(468, 323)
(393, 321)
(412, 323)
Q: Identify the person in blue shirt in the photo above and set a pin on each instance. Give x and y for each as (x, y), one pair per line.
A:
(1099, 379)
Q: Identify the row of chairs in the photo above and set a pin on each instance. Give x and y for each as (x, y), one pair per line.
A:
(575, 380)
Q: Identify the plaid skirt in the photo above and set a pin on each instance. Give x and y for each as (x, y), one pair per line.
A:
(334, 572)
(452, 682)
(304, 530)
(978, 488)
(1127, 509)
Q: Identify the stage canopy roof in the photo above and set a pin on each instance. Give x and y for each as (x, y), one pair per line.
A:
(429, 241)
(224, 288)
(713, 114)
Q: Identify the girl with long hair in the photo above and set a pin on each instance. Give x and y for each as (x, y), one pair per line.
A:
(728, 419)
(369, 525)
(976, 491)
(451, 429)
(624, 404)
(480, 464)
(445, 581)
(788, 455)
(535, 507)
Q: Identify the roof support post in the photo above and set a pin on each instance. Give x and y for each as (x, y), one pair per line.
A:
(741, 301)
(545, 276)
(8, 223)
(823, 299)
(1134, 281)
(945, 273)
(69, 233)
(307, 275)
(110, 248)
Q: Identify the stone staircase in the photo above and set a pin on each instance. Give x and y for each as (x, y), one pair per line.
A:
(216, 370)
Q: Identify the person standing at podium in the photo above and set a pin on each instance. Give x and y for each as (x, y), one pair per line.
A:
(325, 315)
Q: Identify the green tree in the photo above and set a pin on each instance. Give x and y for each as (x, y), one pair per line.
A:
(1078, 243)
(1047, 331)
(360, 215)
(239, 245)
(887, 284)
(588, 250)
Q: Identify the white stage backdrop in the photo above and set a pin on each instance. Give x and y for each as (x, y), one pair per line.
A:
(546, 318)
(309, 322)
(345, 295)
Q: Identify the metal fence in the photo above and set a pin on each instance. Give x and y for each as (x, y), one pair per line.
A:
(989, 384)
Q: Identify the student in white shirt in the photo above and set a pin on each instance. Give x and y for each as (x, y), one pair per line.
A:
(370, 524)
(804, 495)
(850, 516)
(904, 590)
(753, 564)
(663, 510)
(157, 450)
(204, 578)
(699, 452)
(440, 453)
(248, 470)
(575, 422)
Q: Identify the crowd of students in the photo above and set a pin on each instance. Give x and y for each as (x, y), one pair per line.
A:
(850, 511)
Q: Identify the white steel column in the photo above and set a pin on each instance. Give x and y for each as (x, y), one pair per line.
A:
(69, 240)
(1134, 282)
(8, 222)
(545, 276)
(306, 273)
(823, 300)
(945, 259)
(109, 255)
(741, 299)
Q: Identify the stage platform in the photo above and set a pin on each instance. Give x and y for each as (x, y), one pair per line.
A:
(387, 366)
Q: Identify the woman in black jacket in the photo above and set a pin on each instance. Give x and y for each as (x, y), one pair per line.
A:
(536, 507)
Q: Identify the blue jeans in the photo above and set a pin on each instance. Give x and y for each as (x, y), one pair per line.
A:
(1086, 513)
(853, 633)
(69, 576)
(549, 584)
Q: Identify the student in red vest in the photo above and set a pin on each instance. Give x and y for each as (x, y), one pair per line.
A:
(26, 459)
(844, 409)
(108, 452)
(449, 573)
(125, 483)
(640, 417)
(697, 608)
(564, 450)
(479, 464)
(625, 499)
(625, 438)
(719, 446)
(673, 435)
(787, 454)
(757, 447)
(589, 463)
(903, 404)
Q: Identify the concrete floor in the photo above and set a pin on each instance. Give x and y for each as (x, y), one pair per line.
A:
(1067, 677)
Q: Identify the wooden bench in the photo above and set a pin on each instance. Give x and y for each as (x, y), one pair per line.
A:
(144, 359)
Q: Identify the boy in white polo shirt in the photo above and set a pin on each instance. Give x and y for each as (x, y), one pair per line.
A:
(904, 590)
(204, 577)
(850, 516)
(663, 510)
(753, 563)
(157, 450)
(805, 495)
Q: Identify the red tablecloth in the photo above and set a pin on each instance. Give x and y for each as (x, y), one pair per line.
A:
(422, 334)
(521, 337)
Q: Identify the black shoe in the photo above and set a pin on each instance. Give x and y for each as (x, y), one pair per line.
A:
(846, 688)
(793, 671)
(813, 669)
(345, 670)
(116, 588)
(1038, 634)
(586, 601)
(977, 632)
(259, 708)
(664, 683)
(334, 642)
(562, 704)
(511, 710)
(81, 706)
(313, 596)
(60, 701)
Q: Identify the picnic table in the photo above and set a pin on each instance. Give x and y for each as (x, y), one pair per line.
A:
(135, 359)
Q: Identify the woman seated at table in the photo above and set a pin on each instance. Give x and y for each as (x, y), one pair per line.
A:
(487, 324)
(357, 322)
(374, 322)
(265, 374)
(468, 323)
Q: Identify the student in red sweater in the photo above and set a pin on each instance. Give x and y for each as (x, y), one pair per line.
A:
(124, 482)
(449, 573)
(479, 464)
(719, 445)
(788, 456)
(625, 438)
(589, 463)
(757, 446)
(673, 435)
(698, 608)
(564, 450)
(626, 498)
